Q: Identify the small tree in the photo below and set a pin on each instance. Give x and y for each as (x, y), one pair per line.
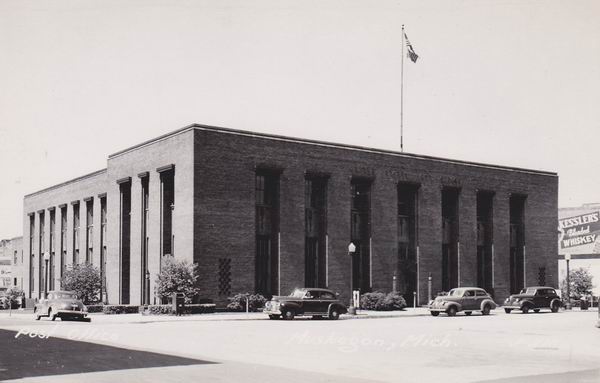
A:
(177, 277)
(13, 294)
(84, 279)
(581, 283)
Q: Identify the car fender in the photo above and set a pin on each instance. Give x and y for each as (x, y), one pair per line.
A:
(527, 302)
(290, 305)
(455, 304)
(341, 308)
(488, 302)
(556, 300)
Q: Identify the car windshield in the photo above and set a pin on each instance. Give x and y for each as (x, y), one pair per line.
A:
(529, 291)
(298, 293)
(65, 296)
(455, 293)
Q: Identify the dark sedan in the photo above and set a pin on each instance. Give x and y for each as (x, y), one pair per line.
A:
(314, 302)
(533, 298)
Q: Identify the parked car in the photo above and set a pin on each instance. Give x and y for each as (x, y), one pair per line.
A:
(4, 301)
(314, 302)
(467, 299)
(63, 304)
(533, 298)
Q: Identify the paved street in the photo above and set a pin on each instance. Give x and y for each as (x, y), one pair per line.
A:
(503, 348)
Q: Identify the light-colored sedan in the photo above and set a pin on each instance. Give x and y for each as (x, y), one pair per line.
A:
(467, 299)
(63, 304)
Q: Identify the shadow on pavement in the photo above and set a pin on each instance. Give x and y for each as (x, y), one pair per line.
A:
(584, 376)
(29, 357)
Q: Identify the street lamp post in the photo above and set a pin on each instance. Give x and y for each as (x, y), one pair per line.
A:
(568, 304)
(351, 251)
(46, 259)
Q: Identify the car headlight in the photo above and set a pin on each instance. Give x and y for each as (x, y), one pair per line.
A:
(517, 300)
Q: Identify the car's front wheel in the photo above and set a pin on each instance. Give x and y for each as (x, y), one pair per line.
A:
(334, 314)
(507, 311)
(273, 317)
(451, 311)
(288, 314)
(555, 307)
(435, 313)
(525, 309)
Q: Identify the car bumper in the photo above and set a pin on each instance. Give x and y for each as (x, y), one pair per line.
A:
(272, 312)
(438, 309)
(512, 307)
(71, 313)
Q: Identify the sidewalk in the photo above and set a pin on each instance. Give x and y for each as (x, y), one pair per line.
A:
(233, 316)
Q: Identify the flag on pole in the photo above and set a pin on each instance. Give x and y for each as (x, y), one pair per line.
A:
(410, 51)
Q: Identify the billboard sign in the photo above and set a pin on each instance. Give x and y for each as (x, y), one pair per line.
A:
(580, 234)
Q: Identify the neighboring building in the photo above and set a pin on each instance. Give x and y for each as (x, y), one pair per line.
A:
(579, 236)
(11, 261)
(266, 213)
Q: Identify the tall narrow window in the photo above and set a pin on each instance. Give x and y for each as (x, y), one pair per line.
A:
(406, 271)
(450, 231)
(76, 224)
(485, 232)
(31, 254)
(102, 244)
(63, 239)
(145, 274)
(41, 249)
(360, 234)
(315, 215)
(89, 231)
(167, 198)
(517, 243)
(125, 237)
(267, 232)
(52, 262)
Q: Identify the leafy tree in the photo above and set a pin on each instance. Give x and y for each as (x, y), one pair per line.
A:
(13, 294)
(580, 283)
(177, 277)
(84, 279)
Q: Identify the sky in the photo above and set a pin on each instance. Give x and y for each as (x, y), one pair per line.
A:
(514, 83)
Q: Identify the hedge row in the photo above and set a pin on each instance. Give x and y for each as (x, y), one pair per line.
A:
(379, 301)
(203, 308)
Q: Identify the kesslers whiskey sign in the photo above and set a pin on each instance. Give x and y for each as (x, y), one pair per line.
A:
(581, 230)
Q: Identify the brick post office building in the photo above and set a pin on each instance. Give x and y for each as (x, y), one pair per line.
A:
(267, 213)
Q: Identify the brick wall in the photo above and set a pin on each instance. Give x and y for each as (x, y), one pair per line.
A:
(225, 213)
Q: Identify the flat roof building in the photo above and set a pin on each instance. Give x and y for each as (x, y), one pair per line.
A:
(266, 213)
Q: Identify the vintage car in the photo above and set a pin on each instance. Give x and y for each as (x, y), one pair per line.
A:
(314, 302)
(467, 299)
(533, 298)
(63, 304)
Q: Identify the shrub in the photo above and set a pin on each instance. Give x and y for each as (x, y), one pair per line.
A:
(95, 308)
(84, 279)
(379, 301)
(203, 308)
(177, 277)
(238, 302)
(392, 301)
(121, 309)
(369, 301)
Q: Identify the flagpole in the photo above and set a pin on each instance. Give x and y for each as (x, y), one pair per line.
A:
(402, 96)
